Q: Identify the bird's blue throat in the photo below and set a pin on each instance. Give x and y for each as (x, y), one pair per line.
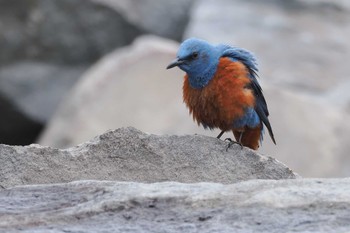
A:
(200, 78)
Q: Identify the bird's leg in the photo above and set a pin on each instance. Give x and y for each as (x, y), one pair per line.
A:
(220, 134)
(240, 138)
(231, 142)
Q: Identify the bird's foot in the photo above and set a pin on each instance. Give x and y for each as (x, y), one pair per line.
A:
(231, 142)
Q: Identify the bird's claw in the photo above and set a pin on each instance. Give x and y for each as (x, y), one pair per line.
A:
(231, 142)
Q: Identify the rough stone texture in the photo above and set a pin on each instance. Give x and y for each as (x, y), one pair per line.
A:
(127, 154)
(302, 205)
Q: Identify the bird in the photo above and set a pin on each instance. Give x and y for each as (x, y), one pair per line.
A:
(221, 90)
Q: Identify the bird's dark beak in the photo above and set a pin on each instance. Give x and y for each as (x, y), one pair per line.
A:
(174, 63)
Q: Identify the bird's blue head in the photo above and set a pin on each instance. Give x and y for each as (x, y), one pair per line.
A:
(199, 60)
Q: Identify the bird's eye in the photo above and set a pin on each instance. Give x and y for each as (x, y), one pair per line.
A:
(194, 55)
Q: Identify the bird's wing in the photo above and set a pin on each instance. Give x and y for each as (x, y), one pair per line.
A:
(249, 60)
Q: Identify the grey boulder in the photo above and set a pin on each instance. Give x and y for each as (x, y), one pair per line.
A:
(127, 154)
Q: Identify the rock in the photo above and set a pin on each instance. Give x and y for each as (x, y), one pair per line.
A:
(127, 154)
(38, 38)
(16, 128)
(302, 205)
(129, 87)
(36, 88)
(163, 18)
(339, 96)
(45, 44)
(80, 31)
(33, 91)
(311, 133)
(293, 40)
(61, 31)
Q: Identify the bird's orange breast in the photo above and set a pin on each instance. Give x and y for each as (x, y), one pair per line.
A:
(224, 98)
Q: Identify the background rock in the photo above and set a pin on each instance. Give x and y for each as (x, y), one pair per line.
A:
(16, 127)
(46, 44)
(129, 87)
(162, 18)
(37, 88)
(129, 155)
(80, 31)
(311, 205)
(68, 32)
(316, 131)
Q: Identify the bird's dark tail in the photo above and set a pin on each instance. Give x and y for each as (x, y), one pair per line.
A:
(269, 128)
(265, 120)
(250, 137)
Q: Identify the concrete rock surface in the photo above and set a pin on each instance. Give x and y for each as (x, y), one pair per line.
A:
(302, 205)
(127, 154)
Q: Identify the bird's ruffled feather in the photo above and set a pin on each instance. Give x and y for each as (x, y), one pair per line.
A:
(249, 60)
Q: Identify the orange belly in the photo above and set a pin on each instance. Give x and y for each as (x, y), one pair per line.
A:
(224, 99)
